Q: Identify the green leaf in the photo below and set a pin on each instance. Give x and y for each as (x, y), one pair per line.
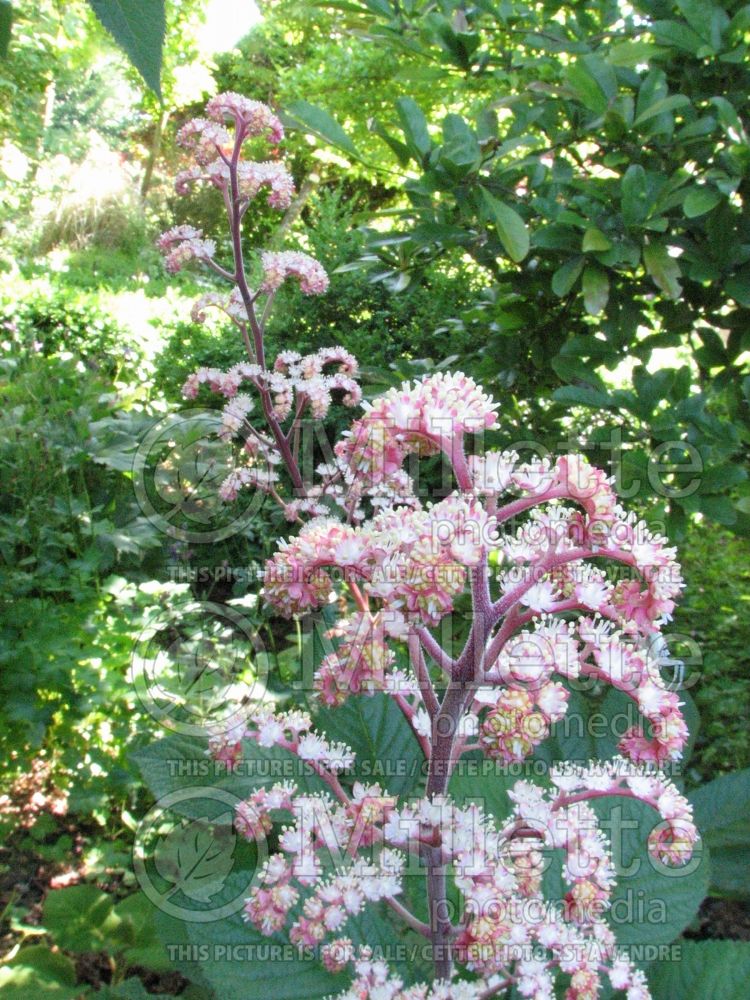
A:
(256, 976)
(595, 240)
(705, 970)
(179, 762)
(137, 934)
(320, 123)
(738, 287)
(79, 917)
(6, 23)
(595, 289)
(629, 54)
(593, 81)
(138, 27)
(721, 477)
(195, 858)
(582, 395)
(384, 742)
(678, 36)
(722, 814)
(700, 200)
(460, 149)
(37, 971)
(661, 107)
(484, 782)
(664, 269)
(510, 227)
(706, 18)
(566, 276)
(634, 189)
(414, 125)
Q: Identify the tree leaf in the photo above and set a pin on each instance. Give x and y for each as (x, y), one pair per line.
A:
(594, 239)
(460, 149)
(700, 200)
(138, 27)
(320, 123)
(632, 52)
(509, 225)
(595, 289)
(634, 197)
(414, 125)
(566, 276)
(663, 269)
(196, 857)
(661, 107)
(593, 81)
(581, 395)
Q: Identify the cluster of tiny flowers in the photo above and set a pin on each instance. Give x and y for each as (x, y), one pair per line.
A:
(293, 731)
(373, 980)
(671, 841)
(296, 381)
(252, 117)
(423, 417)
(278, 266)
(251, 177)
(517, 723)
(216, 152)
(360, 661)
(183, 244)
(640, 605)
(321, 830)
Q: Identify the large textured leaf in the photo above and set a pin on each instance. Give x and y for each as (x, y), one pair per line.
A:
(36, 971)
(705, 970)
(484, 782)
(80, 917)
(386, 748)
(722, 814)
(195, 858)
(651, 905)
(241, 964)
(178, 763)
(138, 27)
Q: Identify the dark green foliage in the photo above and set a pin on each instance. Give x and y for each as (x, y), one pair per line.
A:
(715, 613)
(49, 320)
(604, 196)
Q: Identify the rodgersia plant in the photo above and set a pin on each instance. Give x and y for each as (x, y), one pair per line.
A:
(530, 544)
